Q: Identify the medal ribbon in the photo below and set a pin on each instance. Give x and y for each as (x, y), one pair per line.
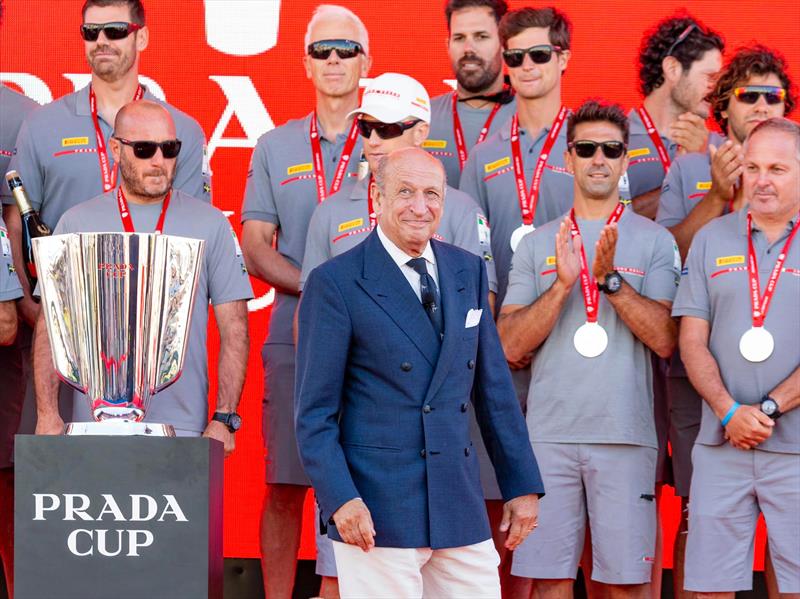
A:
(528, 201)
(125, 213)
(663, 155)
(319, 167)
(373, 219)
(759, 304)
(458, 132)
(591, 294)
(108, 177)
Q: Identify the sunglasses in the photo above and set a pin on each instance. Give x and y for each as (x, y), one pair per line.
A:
(540, 54)
(586, 148)
(682, 37)
(384, 130)
(749, 94)
(147, 149)
(345, 49)
(114, 31)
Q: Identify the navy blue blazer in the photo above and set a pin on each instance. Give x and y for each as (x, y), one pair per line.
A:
(382, 407)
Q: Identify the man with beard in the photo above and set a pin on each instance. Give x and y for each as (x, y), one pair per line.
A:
(739, 342)
(699, 187)
(145, 146)
(482, 102)
(284, 185)
(62, 148)
(678, 62)
(590, 405)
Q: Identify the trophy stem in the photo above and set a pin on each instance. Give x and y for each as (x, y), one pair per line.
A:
(121, 427)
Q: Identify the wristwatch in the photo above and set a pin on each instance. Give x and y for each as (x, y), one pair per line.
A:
(770, 407)
(612, 284)
(230, 419)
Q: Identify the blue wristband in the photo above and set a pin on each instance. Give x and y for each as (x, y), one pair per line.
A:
(729, 415)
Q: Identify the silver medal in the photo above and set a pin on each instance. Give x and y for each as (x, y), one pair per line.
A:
(518, 234)
(757, 344)
(590, 340)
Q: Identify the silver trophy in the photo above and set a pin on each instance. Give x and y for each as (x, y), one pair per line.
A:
(117, 308)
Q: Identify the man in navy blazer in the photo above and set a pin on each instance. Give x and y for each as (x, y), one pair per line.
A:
(388, 355)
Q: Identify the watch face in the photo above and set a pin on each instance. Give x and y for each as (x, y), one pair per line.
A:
(769, 407)
(235, 421)
(613, 282)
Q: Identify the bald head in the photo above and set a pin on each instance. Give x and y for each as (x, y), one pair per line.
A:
(132, 117)
(409, 198)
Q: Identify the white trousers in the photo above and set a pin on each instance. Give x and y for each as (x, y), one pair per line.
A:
(468, 572)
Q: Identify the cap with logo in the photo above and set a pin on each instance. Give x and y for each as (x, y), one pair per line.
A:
(393, 97)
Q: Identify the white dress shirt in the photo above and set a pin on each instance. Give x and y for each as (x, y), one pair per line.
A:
(400, 258)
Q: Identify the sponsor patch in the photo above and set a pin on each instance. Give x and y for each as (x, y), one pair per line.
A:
(68, 142)
(676, 264)
(300, 168)
(728, 260)
(639, 152)
(434, 144)
(350, 224)
(4, 242)
(206, 162)
(493, 166)
(236, 243)
(703, 185)
(550, 261)
(484, 233)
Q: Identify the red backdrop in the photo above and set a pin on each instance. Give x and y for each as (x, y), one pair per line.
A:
(237, 97)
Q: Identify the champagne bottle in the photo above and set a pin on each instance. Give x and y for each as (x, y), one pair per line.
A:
(32, 225)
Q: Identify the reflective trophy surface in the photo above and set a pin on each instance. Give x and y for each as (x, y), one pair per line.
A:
(118, 308)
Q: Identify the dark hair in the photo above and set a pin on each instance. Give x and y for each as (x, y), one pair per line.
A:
(135, 7)
(657, 42)
(498, 7)
(594, 110)
(516, 21)
(748, 61)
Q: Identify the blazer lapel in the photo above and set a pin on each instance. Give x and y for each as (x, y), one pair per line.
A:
(451, 290)
(386, 285)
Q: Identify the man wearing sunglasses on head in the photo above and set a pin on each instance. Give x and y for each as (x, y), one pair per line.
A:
(293, 168)
(678, 62)
(699, 187)
(62, 150)
(146, 147)
(483, 101)
(590, 405)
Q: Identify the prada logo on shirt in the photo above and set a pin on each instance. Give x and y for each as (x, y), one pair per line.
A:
(69, 142)
(300, 168)
(493, 166)
(639, 152)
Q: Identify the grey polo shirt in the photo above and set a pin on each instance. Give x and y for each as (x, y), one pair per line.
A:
(342, 222)
(489, 178)
(441, 140)
(607, 399)
(715, 287)
(223, 279)
(56, 155)
(14, 107)
(281, 190)
(9, 283)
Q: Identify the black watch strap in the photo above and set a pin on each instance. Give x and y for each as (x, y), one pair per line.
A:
(230, 419)
(770, 407)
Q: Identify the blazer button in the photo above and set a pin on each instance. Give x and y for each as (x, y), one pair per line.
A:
(426, 409)
(405, 366)
(464, 407)
(423, 453)
(471, 364)
(466, 451)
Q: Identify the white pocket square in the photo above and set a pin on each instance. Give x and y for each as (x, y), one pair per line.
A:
(473, 318)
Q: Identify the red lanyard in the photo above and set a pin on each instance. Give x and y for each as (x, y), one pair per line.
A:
(527, 202)
(663, 155)
(102, 153)
(319, 167)
(373, 219)
(591, 294)
(759, 304)
(125, 214)
(458, 132)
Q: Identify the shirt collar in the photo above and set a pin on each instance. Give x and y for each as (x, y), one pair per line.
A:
(320, 130)
(360, 189)
(398, 256)
(82, 100)
(505, 131)
(742, 217)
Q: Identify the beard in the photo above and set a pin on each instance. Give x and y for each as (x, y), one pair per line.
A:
(687, 100)
(135, 180)
(480, 79)
(110, 70)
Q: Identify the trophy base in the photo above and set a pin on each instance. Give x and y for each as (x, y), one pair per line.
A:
(120, 428)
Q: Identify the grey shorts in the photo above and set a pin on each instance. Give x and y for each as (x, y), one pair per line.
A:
(685, 409)
(729, 488)
(283, 460)
(661, 418)
(615, 486)
(326, 561)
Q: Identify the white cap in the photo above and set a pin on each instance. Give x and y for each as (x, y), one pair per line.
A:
(393, 97)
